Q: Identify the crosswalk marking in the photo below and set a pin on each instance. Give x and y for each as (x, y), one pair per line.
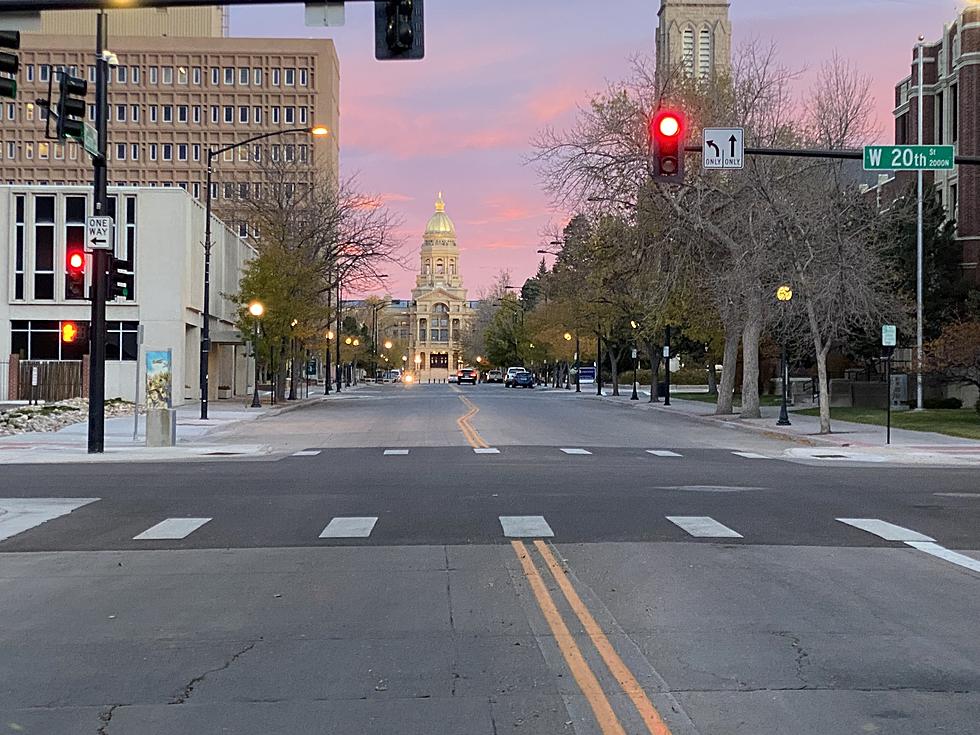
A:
(885, 530)
(750, 455)
(171, 529)
(21, 514)
(307, 453)
(485, 450)
(703, 527)
(350, 527)
(943, 553)
(662, 453)
(576, 451)
(526, 527)
(395, 452)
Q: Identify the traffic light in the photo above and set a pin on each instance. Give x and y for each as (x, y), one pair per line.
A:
(75, 275)
(120, 279)
(73, 332)
(71, 106)
(9, 63)
(667, 137)
(399, 29)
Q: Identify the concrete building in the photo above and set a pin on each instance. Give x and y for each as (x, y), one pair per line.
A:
(171, 98)
(695, 37)
(951, 116)
(158, 234)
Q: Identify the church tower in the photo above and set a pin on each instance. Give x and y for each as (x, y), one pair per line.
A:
(695, 37)
(440, 312)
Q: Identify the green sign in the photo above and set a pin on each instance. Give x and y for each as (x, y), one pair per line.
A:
(909, 158)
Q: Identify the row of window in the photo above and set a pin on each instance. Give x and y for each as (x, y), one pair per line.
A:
(228, 76)
(44, 151)
(37, 339)
(246, 114)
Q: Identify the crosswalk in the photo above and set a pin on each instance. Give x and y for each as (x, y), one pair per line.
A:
(558, 451)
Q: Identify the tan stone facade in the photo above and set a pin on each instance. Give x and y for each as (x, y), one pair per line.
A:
(171, 99)
(201, 22)
(439, 312)
(695, 37)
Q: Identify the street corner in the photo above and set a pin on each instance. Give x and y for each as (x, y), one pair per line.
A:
(948, 456)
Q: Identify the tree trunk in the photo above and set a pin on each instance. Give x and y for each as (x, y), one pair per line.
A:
(729, 364)
(712, 379)
(750, 361)
(613, 365)
(824, 388)
(653, 352)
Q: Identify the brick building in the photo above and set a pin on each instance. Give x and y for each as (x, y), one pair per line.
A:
(951, 116)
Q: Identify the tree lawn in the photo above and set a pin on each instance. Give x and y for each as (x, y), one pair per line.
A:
(964, 422)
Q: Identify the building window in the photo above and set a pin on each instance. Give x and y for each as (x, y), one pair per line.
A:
(303, 78)
(91, 74)
(423, 329)
(127, 268)
(167, 74)
(168, 151)
(154, 74)
(19, 241)
(229, 76)
(45, 73)
(243, 114)
(229, 114)
(687, 50)
(182, 112)
(243, 153)
(290, 152)
(196, 151)
(954, 112)
(29, 71)
(120, 151)
(75, 228)
(59, 152)
(44, 247)
(257, 115)
(134, 152)
(43, 151)
(91, 113)
(257, 77)
(439, 361)
(182, 151)
(181, 75)
(229, 190)
(215, 76)
(215, 113)
(276, 74)
(29, 151)
(289, 115)
(196, 189)
(197, 114)
(122, 343)
(154, 111)
(243, 76)
(704, 53)
(39, 339)
(153, 151)
(135, 113)
(120, 113)
(440, 322)
(275, 115)
(168, 113)
(121, 74)
(303, 116)
(290, 77)
(196, 73)
(256, 153)
(134, 74)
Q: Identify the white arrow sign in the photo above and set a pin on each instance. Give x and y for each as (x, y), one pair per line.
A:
(98, 233)
(723, 148)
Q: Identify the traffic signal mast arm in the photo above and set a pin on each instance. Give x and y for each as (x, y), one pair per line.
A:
(856, 155)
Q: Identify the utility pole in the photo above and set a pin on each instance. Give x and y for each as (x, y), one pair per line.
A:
(919, 247)
(100, 257)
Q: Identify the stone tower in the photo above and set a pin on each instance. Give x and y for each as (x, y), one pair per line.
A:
(695, 37)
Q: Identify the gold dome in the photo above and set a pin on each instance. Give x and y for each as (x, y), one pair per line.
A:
(439, 223)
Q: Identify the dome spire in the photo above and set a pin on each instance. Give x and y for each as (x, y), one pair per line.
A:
(440, 204)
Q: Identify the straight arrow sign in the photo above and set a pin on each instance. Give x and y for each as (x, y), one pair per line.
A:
(733, 157)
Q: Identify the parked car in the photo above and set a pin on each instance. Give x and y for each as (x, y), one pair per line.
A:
(509, 377)
(393, 376)
(495, 376)
(523, 379)
(467, 375)
(453, 379)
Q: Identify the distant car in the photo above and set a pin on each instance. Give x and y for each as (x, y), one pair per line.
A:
(523, 379)
(467, 375)
(509, 377)
(453, 379)
(495, 376)
(393, 376)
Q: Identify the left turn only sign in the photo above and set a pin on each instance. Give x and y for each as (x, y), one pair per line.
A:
(98, 233)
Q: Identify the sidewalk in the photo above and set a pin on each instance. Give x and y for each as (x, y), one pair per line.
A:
(849, 441)
(194, 440)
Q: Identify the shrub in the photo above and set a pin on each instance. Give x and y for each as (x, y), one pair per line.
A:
(942, 403)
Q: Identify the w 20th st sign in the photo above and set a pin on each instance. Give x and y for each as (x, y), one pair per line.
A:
(909, 158)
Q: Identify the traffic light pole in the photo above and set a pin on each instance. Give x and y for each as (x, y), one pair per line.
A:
(100, 257)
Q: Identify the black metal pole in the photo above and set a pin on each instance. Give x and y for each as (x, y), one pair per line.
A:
(578, 368)
(888, 401)
(206, 317)
(100, 257)
(292, 369)
(256, 403)
(598, 361)
(636, 364)
(339, 318)
(784, 379)
(666, 366)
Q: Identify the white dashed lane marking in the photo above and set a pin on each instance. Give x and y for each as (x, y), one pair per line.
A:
(662, 453)
(396, 452)
(352, 527)
(576, 451)
(171, 529)
(307, 453)
(22, 514)
(703, 527)
(526, 527)
(485, 450)
(750, 455)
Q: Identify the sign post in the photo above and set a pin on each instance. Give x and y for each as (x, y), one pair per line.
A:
(889, 339)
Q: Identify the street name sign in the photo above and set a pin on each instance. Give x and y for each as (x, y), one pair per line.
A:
(909, 158)
(98, 233)
(723, 148)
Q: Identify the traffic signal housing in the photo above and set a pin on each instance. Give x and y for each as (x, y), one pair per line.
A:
(9, 63)
(75, 273)
(120, 280)
(399, 29)
(71, 106)
(668, 132)
(74, 333)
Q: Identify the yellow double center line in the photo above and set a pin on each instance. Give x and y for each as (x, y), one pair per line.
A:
(463, 422)
(605, 716)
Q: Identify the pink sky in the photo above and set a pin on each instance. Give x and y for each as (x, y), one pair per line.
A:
(495, 73)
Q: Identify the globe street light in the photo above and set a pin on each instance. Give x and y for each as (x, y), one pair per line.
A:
(256, 309)
(636, 362)
(784, 294)
(418, 366)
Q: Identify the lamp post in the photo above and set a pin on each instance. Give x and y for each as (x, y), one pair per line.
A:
(292, 360)
(784, 294)
(636, 361)
(667, 365)
(327, 378)
(256, 309)
(567, 336)
(212, 153)
(418, 363)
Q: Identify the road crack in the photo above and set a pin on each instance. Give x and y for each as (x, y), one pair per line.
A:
(188, 689)
(802, 656)
(105, 717)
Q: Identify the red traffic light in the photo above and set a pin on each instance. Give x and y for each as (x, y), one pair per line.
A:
(76, 261)
(667, 136)
(69, 332)
(667, 125)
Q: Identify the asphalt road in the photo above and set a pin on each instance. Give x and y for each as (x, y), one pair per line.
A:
(441, 559)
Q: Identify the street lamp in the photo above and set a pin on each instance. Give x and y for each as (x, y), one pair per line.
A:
(326, 365)
(388, 344)
(636, 361)
(784, 294)
(256, 309)
(317, 131)
(418, 364)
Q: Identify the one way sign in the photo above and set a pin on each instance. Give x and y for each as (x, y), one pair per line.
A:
(724, 148)
(98, 233)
